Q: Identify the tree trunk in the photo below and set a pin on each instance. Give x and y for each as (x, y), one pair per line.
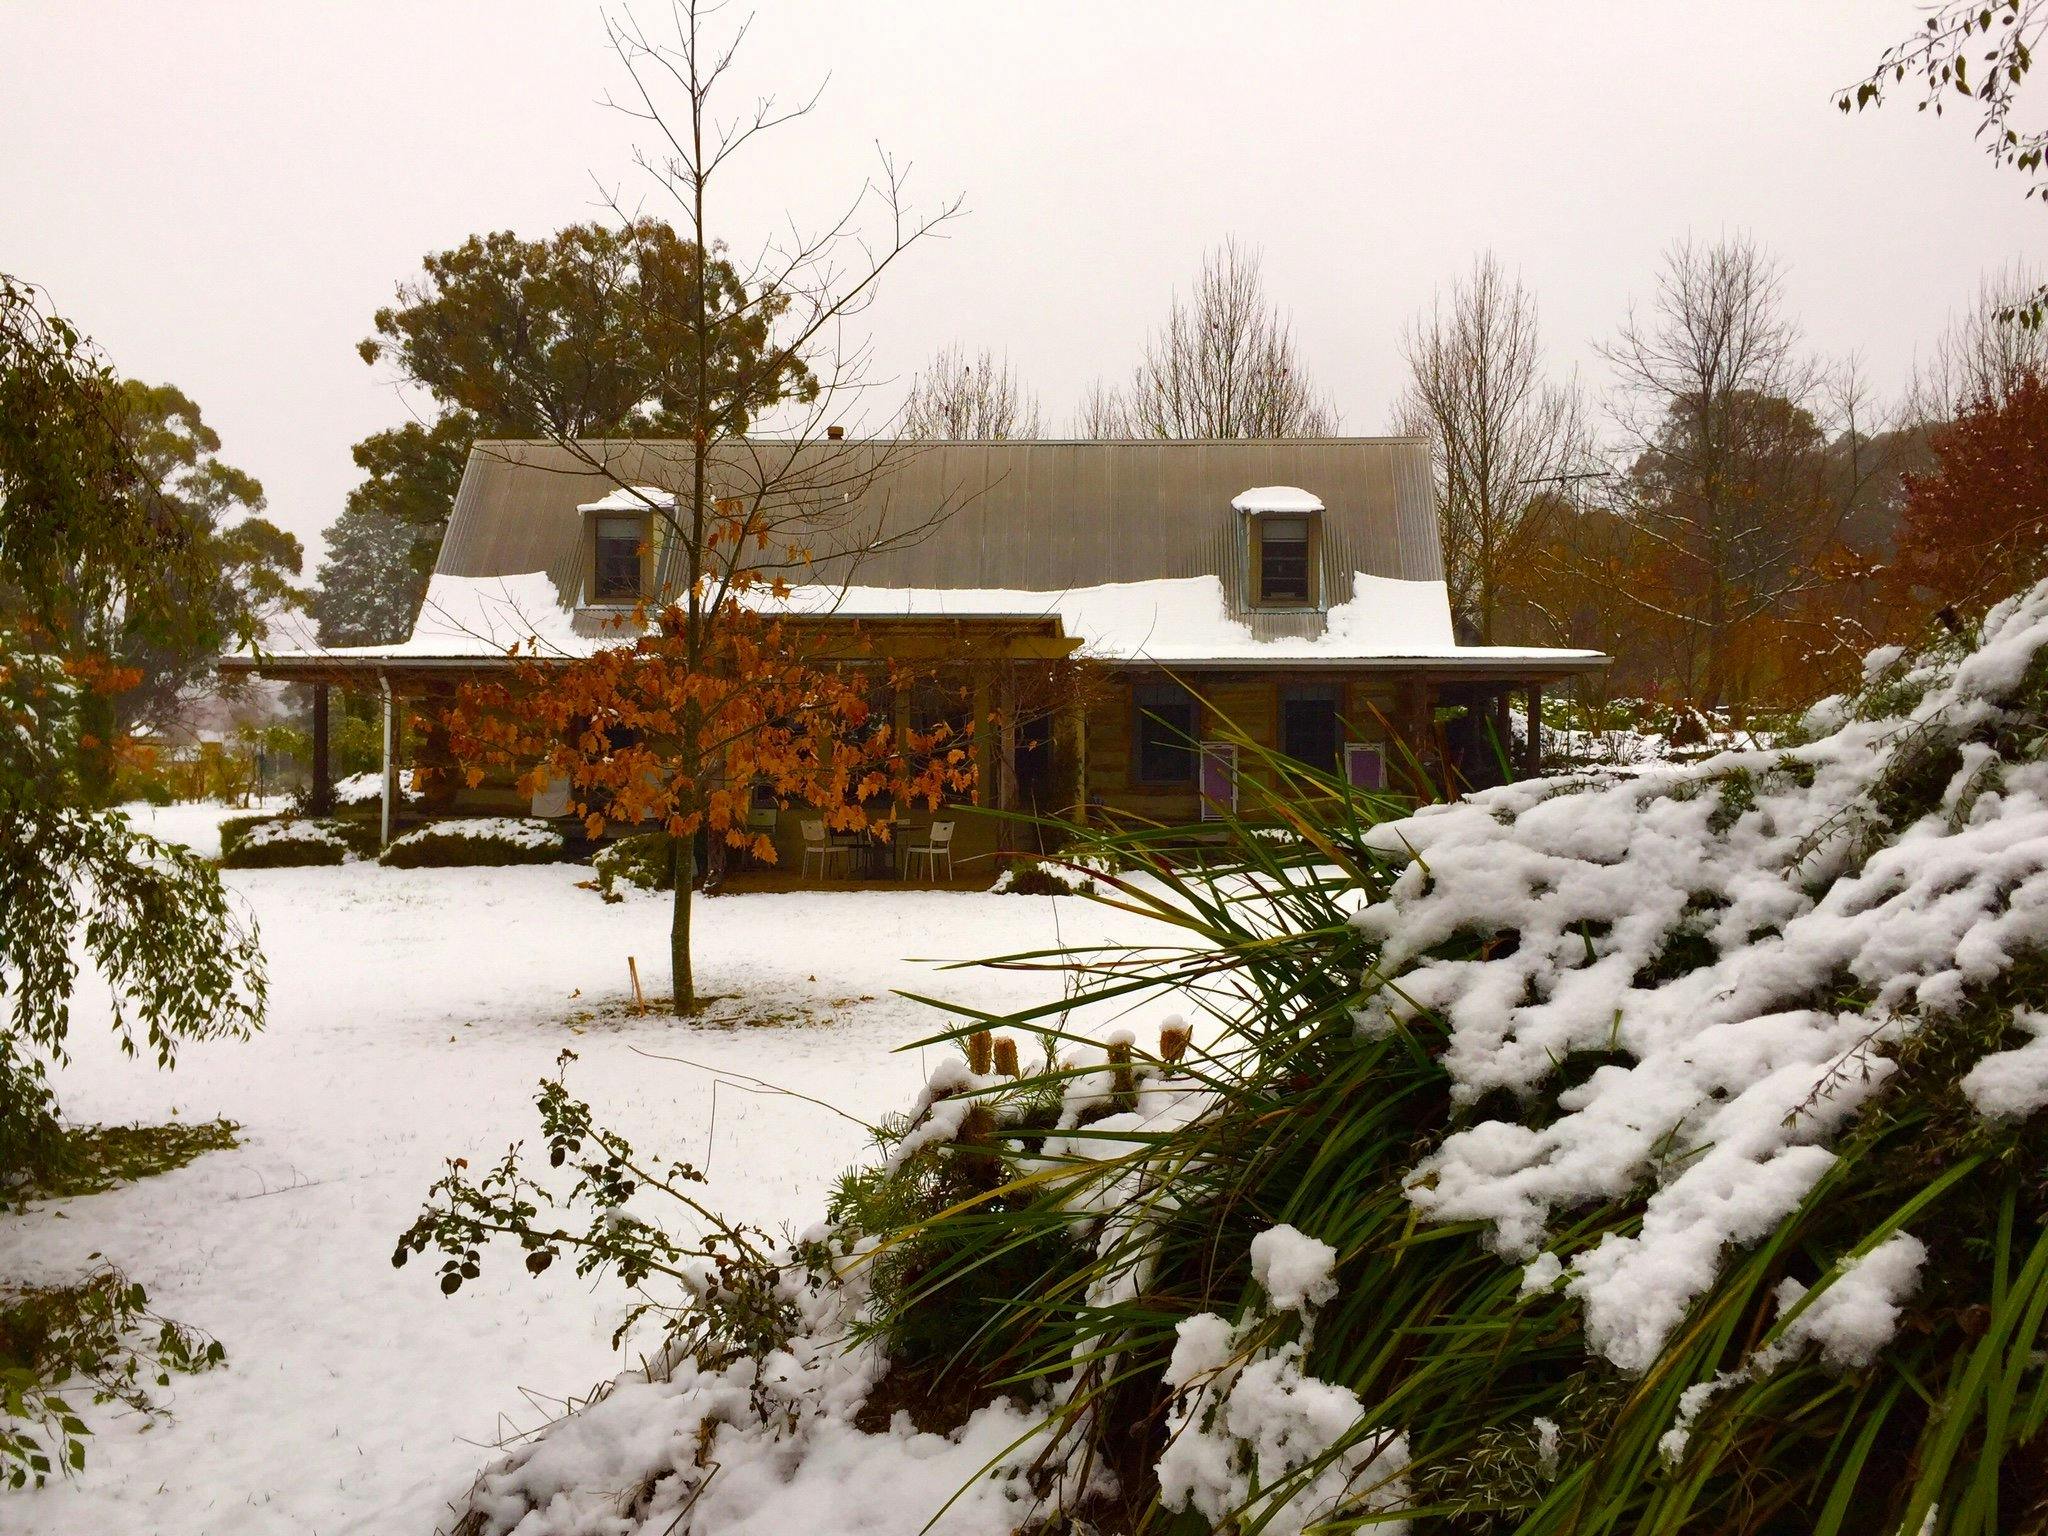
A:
(685, 865)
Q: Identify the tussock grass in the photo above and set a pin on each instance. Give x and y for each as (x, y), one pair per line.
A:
(993, 1274)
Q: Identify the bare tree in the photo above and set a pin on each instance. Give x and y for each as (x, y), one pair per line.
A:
(1733, 485)
(1982, 354)
(1505, 439)
(970, 399)
(1100, 415)
(1223, 366)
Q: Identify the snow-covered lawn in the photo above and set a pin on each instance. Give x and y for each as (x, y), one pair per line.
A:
(411, 1014)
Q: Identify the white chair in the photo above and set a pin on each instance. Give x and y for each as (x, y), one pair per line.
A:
(818, 846)
(938, 845)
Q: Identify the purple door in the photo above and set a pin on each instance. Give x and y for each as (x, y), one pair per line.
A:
(1219, 779)
(1364, 767)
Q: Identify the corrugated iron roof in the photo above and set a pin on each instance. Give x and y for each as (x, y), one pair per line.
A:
(1039, 515)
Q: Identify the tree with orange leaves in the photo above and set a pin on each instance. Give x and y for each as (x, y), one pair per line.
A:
(1976, 529)
(677, 728)
(709, 691)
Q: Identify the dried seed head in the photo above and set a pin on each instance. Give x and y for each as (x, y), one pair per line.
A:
(1006, 1056)
(1123, 1083)
(980, 1047)
(1173, 1039)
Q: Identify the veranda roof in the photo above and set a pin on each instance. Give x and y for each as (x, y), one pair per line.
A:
(1183, 622)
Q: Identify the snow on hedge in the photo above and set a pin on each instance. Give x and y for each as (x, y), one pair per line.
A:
(511, 831)
(367, 789)
(1244, 1418)
(291, 832)
(1823, 933)
(762, 1450)
(475, 840)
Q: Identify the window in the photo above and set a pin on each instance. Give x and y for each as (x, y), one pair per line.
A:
(1309, 731)
(1163, 731)
(1285, 574)
(935, 704)
(617, 564)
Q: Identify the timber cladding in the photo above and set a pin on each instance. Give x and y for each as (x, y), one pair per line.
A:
(1229, 704)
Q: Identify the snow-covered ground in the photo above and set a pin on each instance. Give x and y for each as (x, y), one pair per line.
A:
(411, 1014)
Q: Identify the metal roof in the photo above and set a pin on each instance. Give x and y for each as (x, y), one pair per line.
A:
(1037, 515)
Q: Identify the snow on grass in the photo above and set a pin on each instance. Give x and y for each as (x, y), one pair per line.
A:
(412, 1012)
(1295, 1270)
(2008, 1084)
(195, 823)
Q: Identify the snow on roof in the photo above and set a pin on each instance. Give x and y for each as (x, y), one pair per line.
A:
(1277, 498)
(1176, 619)
(636, 499)
(1184, 619)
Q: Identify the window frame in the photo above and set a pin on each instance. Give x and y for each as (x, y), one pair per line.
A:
(1312, 552)
(1146, 701)
(594, 539)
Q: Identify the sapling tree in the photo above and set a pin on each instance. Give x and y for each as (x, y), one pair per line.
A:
(678, 734)
(717, 691)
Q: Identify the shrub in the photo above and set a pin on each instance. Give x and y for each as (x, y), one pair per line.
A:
(96, 1336)
(645, 860)
(367, 789)
(476, 840)
(279, 843)
(1030, 877)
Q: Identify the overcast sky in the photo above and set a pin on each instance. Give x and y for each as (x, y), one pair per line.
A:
(222, 194)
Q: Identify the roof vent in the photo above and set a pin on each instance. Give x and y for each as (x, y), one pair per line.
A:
(835, 432)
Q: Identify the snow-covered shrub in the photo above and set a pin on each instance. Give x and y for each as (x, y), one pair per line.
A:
(1659, 1155)
(1031, 877)
(368, 789)
(279, 842)
(645, 861)
(475, 840)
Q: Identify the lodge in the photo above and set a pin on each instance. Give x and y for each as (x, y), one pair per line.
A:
(1123, 616)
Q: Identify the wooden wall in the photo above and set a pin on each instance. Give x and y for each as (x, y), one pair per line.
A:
(1248, 701)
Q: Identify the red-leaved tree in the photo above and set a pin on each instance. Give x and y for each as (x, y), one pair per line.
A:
(677, 729)
(1976, 529)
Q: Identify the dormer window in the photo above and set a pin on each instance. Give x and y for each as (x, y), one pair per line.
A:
(1283, 527)
(1283, 562)
(619, 540)
(618, 544)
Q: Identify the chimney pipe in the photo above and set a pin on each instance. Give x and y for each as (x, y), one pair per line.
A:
(835, 432)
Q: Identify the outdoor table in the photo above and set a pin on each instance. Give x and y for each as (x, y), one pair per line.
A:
(867, 856)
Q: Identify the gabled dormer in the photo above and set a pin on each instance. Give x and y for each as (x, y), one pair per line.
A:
(1282, 530)
(618, 546)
